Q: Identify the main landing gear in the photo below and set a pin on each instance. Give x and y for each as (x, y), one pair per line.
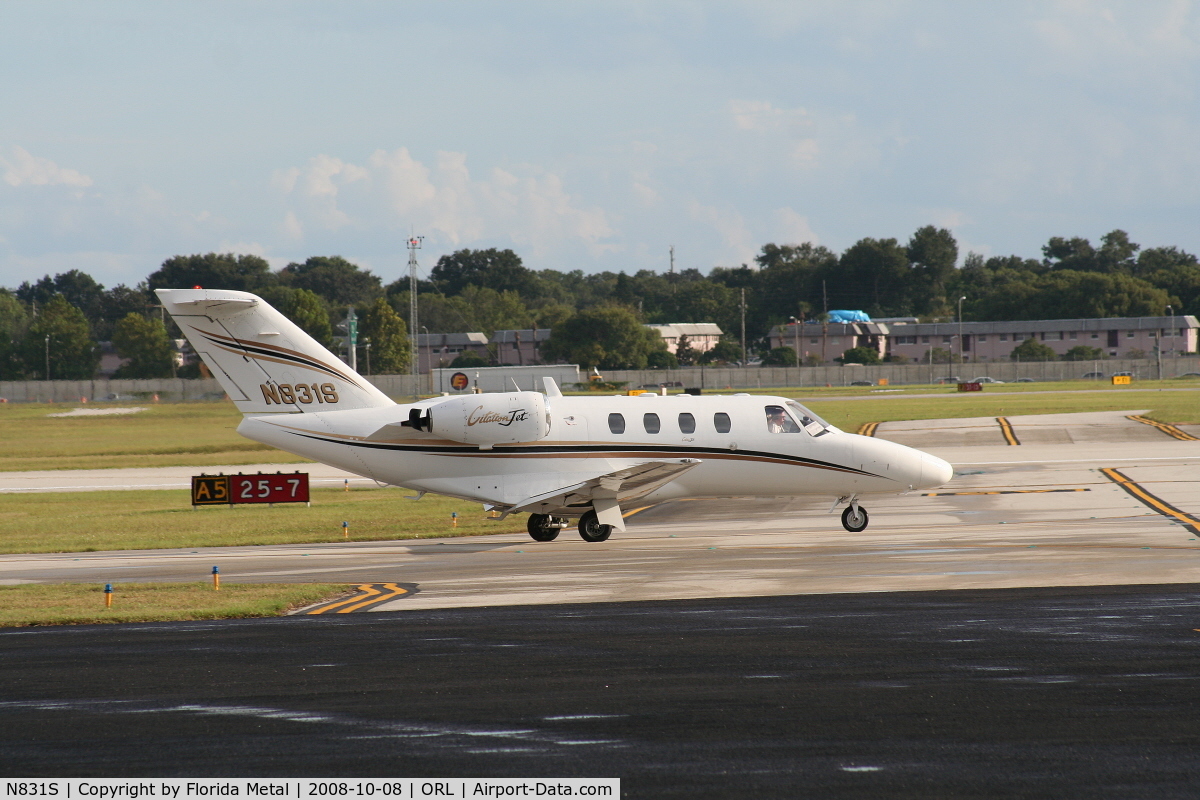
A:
(545, 528)
(590, 528)
(854, 518)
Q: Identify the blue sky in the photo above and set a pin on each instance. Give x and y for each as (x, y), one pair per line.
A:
(585, 135)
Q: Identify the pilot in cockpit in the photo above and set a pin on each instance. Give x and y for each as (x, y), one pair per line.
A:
(778, 421)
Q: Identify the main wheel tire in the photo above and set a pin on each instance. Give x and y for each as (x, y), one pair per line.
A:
(591, 530)
(854, 522)
(539, 528)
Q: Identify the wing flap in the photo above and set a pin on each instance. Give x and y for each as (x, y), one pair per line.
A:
(606, 492)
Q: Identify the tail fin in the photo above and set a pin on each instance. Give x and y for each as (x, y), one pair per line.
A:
(263, 360)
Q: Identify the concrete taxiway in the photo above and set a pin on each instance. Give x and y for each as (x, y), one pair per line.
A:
(773, 654)
(1109, 501)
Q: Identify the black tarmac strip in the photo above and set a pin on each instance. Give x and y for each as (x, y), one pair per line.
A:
(1089, 692)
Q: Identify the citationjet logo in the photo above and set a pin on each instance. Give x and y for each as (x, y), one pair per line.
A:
(479, 417)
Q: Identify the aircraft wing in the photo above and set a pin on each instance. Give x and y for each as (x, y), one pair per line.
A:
(606, 492)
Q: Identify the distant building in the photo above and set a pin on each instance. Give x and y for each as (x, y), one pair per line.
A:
(519, 348)
(439, 349)
(702, 336)
(1116, 337)
(828, 341)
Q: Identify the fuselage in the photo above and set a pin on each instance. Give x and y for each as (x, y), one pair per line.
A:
(739, 449)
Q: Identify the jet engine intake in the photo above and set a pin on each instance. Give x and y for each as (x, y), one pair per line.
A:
(489, 419)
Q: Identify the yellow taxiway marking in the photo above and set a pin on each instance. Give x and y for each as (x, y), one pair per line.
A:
(369, 594)
(1169, 430)
(1161, 506)
(1003, 491)
(868, 428)
(1006, 428)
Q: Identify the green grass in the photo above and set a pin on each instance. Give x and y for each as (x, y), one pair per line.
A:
(1173, 408)
(148, 520)
(164, 435)
(83, 604)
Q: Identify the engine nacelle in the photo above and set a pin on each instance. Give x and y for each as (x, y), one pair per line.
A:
(488, 419)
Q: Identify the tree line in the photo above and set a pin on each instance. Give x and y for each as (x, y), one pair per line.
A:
(52, 327)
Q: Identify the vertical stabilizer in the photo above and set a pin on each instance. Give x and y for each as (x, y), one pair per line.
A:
(263, 360)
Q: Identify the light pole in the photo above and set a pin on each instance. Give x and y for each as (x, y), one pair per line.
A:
(1171, 311)
(960, 336)
(367, 346)
(428, 357)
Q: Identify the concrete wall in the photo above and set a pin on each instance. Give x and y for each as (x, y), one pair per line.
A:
(709, 379)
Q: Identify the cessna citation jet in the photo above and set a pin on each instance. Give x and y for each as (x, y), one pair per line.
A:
(555, 457)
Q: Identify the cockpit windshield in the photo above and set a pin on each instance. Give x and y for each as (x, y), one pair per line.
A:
(809, 421)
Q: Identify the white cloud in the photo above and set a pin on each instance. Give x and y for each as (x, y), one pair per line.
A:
(525, 205)
(793, 228)
(805, 152)
(760, 115)
(740, 243)
(24, 169)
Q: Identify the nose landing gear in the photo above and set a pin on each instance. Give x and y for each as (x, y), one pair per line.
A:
(854, 518)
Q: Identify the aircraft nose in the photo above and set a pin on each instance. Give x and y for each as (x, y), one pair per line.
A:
(934, 472)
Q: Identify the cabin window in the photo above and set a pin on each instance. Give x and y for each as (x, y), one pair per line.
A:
(616, 423)
(721, 422)
(651, 423)
(687, 423)
(778, 421)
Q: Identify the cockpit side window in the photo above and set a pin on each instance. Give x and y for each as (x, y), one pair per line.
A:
(779, 421)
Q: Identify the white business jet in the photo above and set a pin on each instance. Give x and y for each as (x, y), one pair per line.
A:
(555, 457)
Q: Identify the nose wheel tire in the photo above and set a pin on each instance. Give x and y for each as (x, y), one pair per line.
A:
(543, 527)
(854, 519)
(591, 530)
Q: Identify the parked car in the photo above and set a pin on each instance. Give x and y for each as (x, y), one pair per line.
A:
(861, 383)
(1024, 380)
(1122, 374)
(1090, 376)
(951, 379)
(985, 379)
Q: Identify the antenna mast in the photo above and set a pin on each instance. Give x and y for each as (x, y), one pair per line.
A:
(414, 244)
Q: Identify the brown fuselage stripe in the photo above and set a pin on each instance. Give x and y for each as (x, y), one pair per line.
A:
(550, 452)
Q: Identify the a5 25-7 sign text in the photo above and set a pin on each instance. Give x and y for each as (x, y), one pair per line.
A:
(262, 487)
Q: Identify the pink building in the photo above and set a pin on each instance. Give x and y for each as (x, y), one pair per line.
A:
(1116, 337)
(702, 336)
